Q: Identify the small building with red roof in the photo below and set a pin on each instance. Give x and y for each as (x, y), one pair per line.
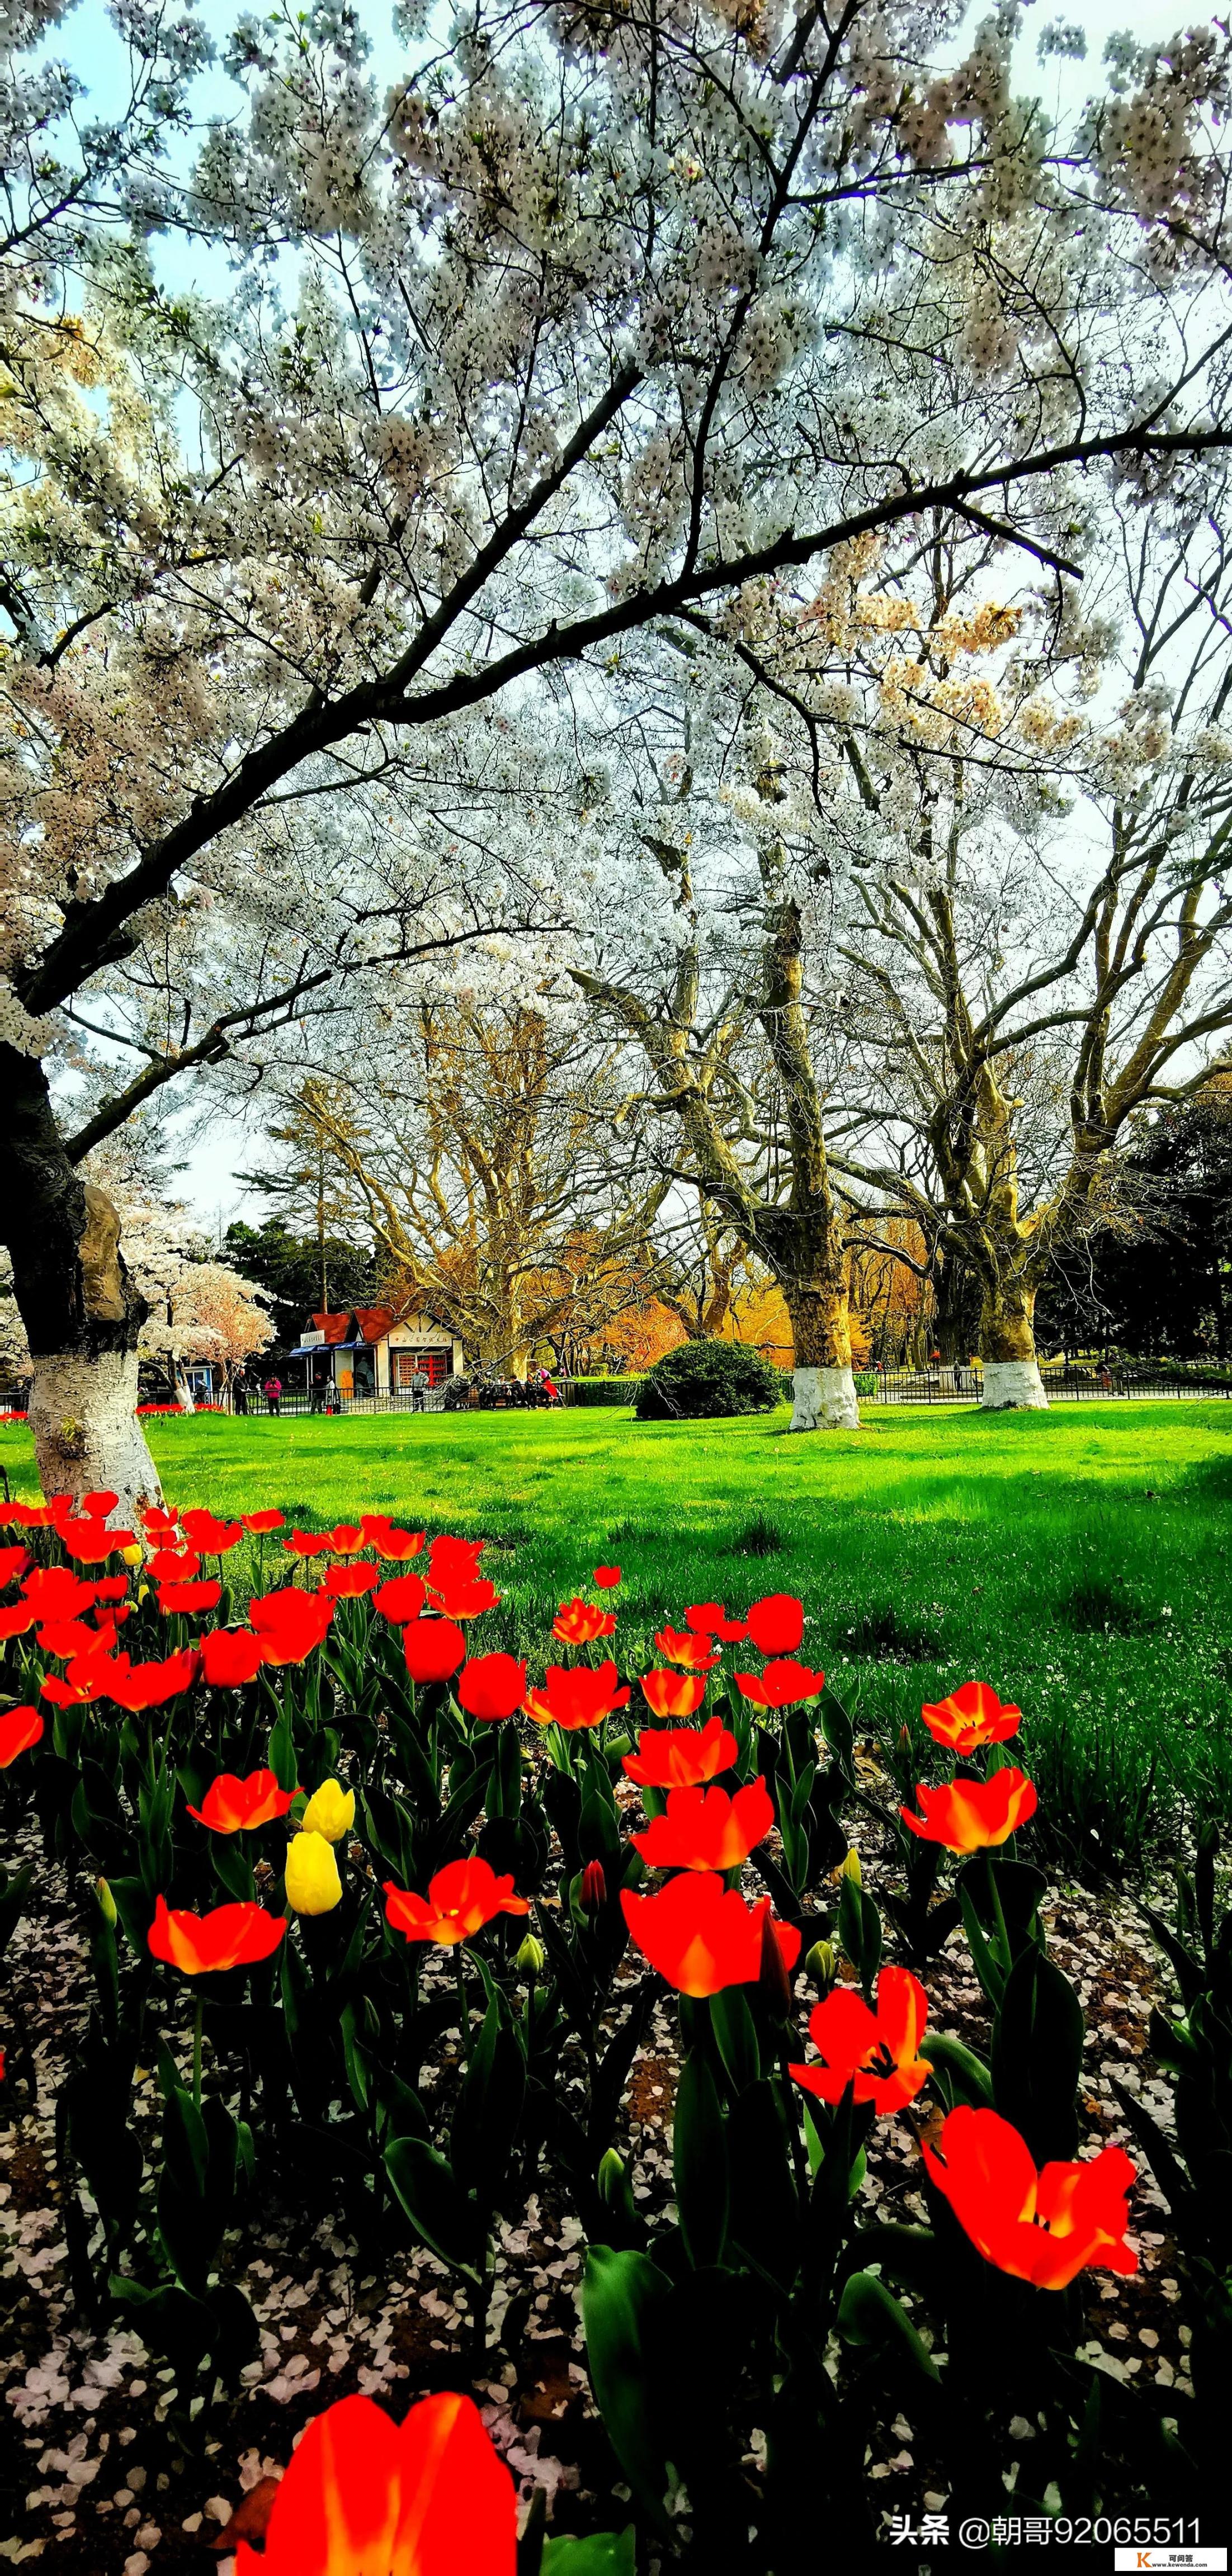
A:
(373, 1351)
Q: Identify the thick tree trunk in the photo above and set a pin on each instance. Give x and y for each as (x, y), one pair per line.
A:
(1012, 1381)
(822, 1384)
(959, 1306)
(81, 1312)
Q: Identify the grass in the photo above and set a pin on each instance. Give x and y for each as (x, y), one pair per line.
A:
(1077, 1559)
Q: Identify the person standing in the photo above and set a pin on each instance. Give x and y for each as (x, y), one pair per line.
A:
(419, 1391)
(272, 1391)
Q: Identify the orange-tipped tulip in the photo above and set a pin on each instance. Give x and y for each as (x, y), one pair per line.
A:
(578, 1623)
(973, 1815)
(232, 1936)
(702, 1936)
(676, 1757)
(465, 1596)
(582, 1697)
(705, 1829)
(461, 1898)
(234, 1806)
(674, 1694)
(1043, 2227)
(878, 2053)
(366, 2497)
(680, 1646)
(971, 1717)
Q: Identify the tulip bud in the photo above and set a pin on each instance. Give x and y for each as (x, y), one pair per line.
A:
(330, 1812)
(531, 1957)
(772, 1977)
(106, 1903)
(850, 1868)
(312, 1881)
(593, 1891)
(822, 1965)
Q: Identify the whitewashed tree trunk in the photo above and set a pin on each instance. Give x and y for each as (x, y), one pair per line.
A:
(86, 1433)
(824, 1399)
(1012, 1382)
(1013, 1385)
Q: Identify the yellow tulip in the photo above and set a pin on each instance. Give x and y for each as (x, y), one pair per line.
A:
(132, 1555)
(850, 1868)
(330, 1812)
(313, 1884)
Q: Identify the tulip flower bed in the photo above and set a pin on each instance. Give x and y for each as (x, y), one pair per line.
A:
(508, 2071)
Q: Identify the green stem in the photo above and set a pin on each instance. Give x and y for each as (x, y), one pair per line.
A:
(197, 2020)
(464, 2010)
(995, 1901)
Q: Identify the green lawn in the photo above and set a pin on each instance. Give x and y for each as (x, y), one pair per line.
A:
(1077, 1559)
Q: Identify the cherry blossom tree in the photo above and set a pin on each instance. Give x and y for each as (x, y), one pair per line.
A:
(582, 322)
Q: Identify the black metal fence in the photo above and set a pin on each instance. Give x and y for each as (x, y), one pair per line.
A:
(1064, 1383)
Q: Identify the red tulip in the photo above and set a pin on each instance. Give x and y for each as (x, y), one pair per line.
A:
(776, 1623)
(366, 2497)
(579, 1697)
(680, 1646)
(710, 1619)
(702, 1936)
(19, 1729)
(465, 1596)
(37, 1515)
(346, 1540)
(173, 1565)
(396, 1544)
(783, 1684)
(451, 1558)
(674, 1694)
(971, 1717)
(13, 1562)
(90, 1541)
(307, 1543)
(676, 1757)
(578, 1623)
(461, 1898)
(230, 1657)
(106, 1587)
(19, 1620)
(210, 1536)
(973, 1815)
(592, 1894)
(141, 1686)
(1042, 2227)
(607, 1577)
(349, 1582)
(291, 1624)
(705, 1829)
(54, 1592)
(233, 1806)
(492, 1686)
(100, 1502)
(232, 1936)
(159, 1522)
(87, 1678)
(189, 1599)
(877, 2052)
(64, 1638)
(260, 1523)
(401, 1599)
(433, 1648)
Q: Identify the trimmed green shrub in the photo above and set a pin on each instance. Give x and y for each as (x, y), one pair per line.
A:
(702, 1379)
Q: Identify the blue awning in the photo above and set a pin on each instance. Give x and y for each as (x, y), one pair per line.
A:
(321, 1350)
